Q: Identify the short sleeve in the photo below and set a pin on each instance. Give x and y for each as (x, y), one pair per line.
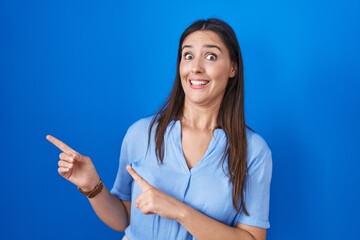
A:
(123, 181)
(133, 149)
(257, 184)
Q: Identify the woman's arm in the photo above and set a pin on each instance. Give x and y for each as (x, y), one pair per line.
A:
(80, 170)
(111, 210)
(204, 227)
(153, 201)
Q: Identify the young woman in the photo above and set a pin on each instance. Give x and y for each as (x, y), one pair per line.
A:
(193, 170)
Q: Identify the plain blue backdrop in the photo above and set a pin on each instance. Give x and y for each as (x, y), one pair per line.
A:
(85, 70)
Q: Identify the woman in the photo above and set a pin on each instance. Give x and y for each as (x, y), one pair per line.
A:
(194, 170)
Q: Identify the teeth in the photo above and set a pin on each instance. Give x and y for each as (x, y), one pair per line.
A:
(198, 83)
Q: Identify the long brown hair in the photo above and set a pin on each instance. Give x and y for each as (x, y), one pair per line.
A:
(231, 117)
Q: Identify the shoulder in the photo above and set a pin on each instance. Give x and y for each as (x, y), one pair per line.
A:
(255, 142)
(258, 151)
(135, 143)
(138, 131)
(141, 124)
(139, 127)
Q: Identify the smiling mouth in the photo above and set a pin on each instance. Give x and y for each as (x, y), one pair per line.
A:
(198, 82)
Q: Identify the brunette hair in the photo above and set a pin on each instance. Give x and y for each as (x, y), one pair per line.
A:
(231, 117)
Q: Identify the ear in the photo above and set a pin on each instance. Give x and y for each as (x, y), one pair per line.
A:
(233, 70)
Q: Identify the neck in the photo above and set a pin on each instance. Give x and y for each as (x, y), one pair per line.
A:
(200, 117)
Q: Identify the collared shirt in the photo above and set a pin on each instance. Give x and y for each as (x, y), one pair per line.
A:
(205, 187)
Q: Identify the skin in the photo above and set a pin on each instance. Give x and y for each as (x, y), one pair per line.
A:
(80, 171)
(205, 58)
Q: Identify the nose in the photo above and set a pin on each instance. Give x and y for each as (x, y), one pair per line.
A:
(197, 66)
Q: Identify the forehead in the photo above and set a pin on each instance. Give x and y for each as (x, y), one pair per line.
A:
(203, 37)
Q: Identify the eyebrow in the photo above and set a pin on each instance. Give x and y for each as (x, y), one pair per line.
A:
(206, 46)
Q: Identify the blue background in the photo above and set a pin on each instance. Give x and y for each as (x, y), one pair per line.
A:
(85, 70)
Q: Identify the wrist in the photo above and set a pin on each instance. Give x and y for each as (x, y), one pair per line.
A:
(182, 212)
(94, 191)
(91, 185)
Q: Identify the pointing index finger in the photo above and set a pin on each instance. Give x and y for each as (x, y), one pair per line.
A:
(144, 185)
(59, 144)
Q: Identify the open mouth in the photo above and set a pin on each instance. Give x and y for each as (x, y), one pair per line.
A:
(198, 82)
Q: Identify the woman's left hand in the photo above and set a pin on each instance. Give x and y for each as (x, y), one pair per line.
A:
(153, 201)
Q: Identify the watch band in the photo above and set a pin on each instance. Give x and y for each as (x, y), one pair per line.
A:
(95, 191)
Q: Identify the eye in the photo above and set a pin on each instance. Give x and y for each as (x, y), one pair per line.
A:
(188, 56)
(211, 57)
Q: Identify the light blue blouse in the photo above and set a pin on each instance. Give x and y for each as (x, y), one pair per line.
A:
(205, 187)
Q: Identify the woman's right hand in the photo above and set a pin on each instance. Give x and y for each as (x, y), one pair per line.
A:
(76, 168)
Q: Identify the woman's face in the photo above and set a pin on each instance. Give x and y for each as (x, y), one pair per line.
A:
(205, 68)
